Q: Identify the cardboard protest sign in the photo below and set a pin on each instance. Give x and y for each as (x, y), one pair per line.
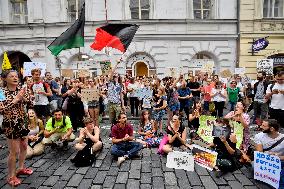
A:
(105, 67)
(265, 65)
(28, 66)
(180, 160)
(67, 73)
(204, 157)
(226, 73)
(208, 67)
(90, 94)
(267, 168)
(240, 71)
(83, 73)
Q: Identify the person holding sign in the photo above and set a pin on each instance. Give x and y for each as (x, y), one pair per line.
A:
(94, 105)
(12, 109)
(271, 142)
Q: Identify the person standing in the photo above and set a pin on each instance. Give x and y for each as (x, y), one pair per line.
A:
(12, 109)
(233, 93)
(184, 95)
(55, 89)
(219, 96)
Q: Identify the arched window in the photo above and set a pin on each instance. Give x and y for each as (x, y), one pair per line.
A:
(74, 9)
(202, 9)
(201, 56)
(19, 11)
(140, 9)
(273, 8)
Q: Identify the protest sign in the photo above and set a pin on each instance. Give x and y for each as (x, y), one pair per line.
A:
(219, 131)
(265, 65)
(105, 67)
(240, 71)
(180, 160)
(173, 72)
(267, 168)
(226, 73)
(90, 94)
(208, 67)
(204, 157)
(67, 73)
(143, 93)
(28, 66)
(238, 130)
(206, 127)
(2, 95)
(83, 73)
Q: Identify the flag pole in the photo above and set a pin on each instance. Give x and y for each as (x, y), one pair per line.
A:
(59, 67)
(106, 11)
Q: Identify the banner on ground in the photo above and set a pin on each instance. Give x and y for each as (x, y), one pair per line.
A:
(267, 168)
(105, 67)
(90, 94)
(265, 65)
(204, 157)
(209, 129)
(180, 160)
(28, 66)
(240, 71)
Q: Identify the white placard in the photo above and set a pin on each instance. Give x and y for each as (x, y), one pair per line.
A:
(28, 66)
(240, 71)
(267, 168)
(172, 72)
(180, 160)
(208, 67)
(265, 65)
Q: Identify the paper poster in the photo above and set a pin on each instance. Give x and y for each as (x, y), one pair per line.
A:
(226, 73)
(240, 71)
(265, 65)
(143, 93)
(172, 72)
(90, 94)
(83, 73)
(206, 128)
(180, 160)
(208, 67)
(267, 168)
(105, 67)
(204, 157)
(28, 66)
(67, 73)
(238, 129)
(2, 95)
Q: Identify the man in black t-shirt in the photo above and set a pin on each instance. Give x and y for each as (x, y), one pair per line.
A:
(194, 87)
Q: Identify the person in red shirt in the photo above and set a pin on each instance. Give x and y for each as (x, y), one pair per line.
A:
(122, 138)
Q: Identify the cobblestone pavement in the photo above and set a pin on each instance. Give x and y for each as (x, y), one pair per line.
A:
(54, 170)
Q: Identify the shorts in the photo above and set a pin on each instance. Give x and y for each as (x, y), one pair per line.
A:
(42, 111)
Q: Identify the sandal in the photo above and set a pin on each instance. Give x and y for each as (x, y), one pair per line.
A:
(25, 171)
(14, 181)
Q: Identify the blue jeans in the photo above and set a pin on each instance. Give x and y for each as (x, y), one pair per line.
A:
(126, 148)
(233, 104)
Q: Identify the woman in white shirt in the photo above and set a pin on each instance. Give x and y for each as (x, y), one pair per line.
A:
(219, 97)
(134, 102)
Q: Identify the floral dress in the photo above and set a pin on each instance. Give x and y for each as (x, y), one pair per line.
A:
(174, 104)
(151, 140)
(13, 114)
(159, 114)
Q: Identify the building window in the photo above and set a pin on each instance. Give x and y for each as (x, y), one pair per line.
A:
(273, 8)
(201, 56)
(19, 11)
(202, 9)
(140, 9)
(74, 9)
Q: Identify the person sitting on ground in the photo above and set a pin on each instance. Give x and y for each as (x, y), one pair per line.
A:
(176, 136)
(89, 135)
(272, 142)
(58, 127)
(122, 138)
(35, 136)
(147, 131)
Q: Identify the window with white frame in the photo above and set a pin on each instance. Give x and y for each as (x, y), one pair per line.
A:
(140, 9)
(273, 8)
(74, 9)
(202, 9)
(19, 11)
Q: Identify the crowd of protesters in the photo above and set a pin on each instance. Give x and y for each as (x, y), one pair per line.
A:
(41, 111)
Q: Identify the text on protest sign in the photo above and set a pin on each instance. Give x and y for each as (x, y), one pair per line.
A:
(180, 160)
(240, 71)
(90, 94)
(204, 157)
(28, 66)
(105, 67)
(265, 65)
(267, 168)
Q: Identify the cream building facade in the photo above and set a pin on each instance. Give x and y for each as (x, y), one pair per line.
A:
(258, 19)
(182, 33)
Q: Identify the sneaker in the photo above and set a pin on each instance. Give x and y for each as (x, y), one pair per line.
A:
(120, 160)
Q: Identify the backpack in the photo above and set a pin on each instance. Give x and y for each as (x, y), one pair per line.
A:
(84, 157)
(53, 121)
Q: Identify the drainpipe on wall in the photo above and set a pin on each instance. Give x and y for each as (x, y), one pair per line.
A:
(238, 41)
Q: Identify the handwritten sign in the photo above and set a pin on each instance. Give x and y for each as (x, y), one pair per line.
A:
(204, 157)
(172, 72)
(226, 73)
(180, 160)
(143, 93)
(67, 73)
(240, 71)
(83, 73)
(90, 94)
(28, 66)
(208, 67)
(267, 168)
(265, 65)
(106, 67)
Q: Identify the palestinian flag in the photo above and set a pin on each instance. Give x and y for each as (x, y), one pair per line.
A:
(118, 36)
(73, 37)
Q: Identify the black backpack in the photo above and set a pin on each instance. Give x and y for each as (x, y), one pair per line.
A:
(85, 157)
(53, 121)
